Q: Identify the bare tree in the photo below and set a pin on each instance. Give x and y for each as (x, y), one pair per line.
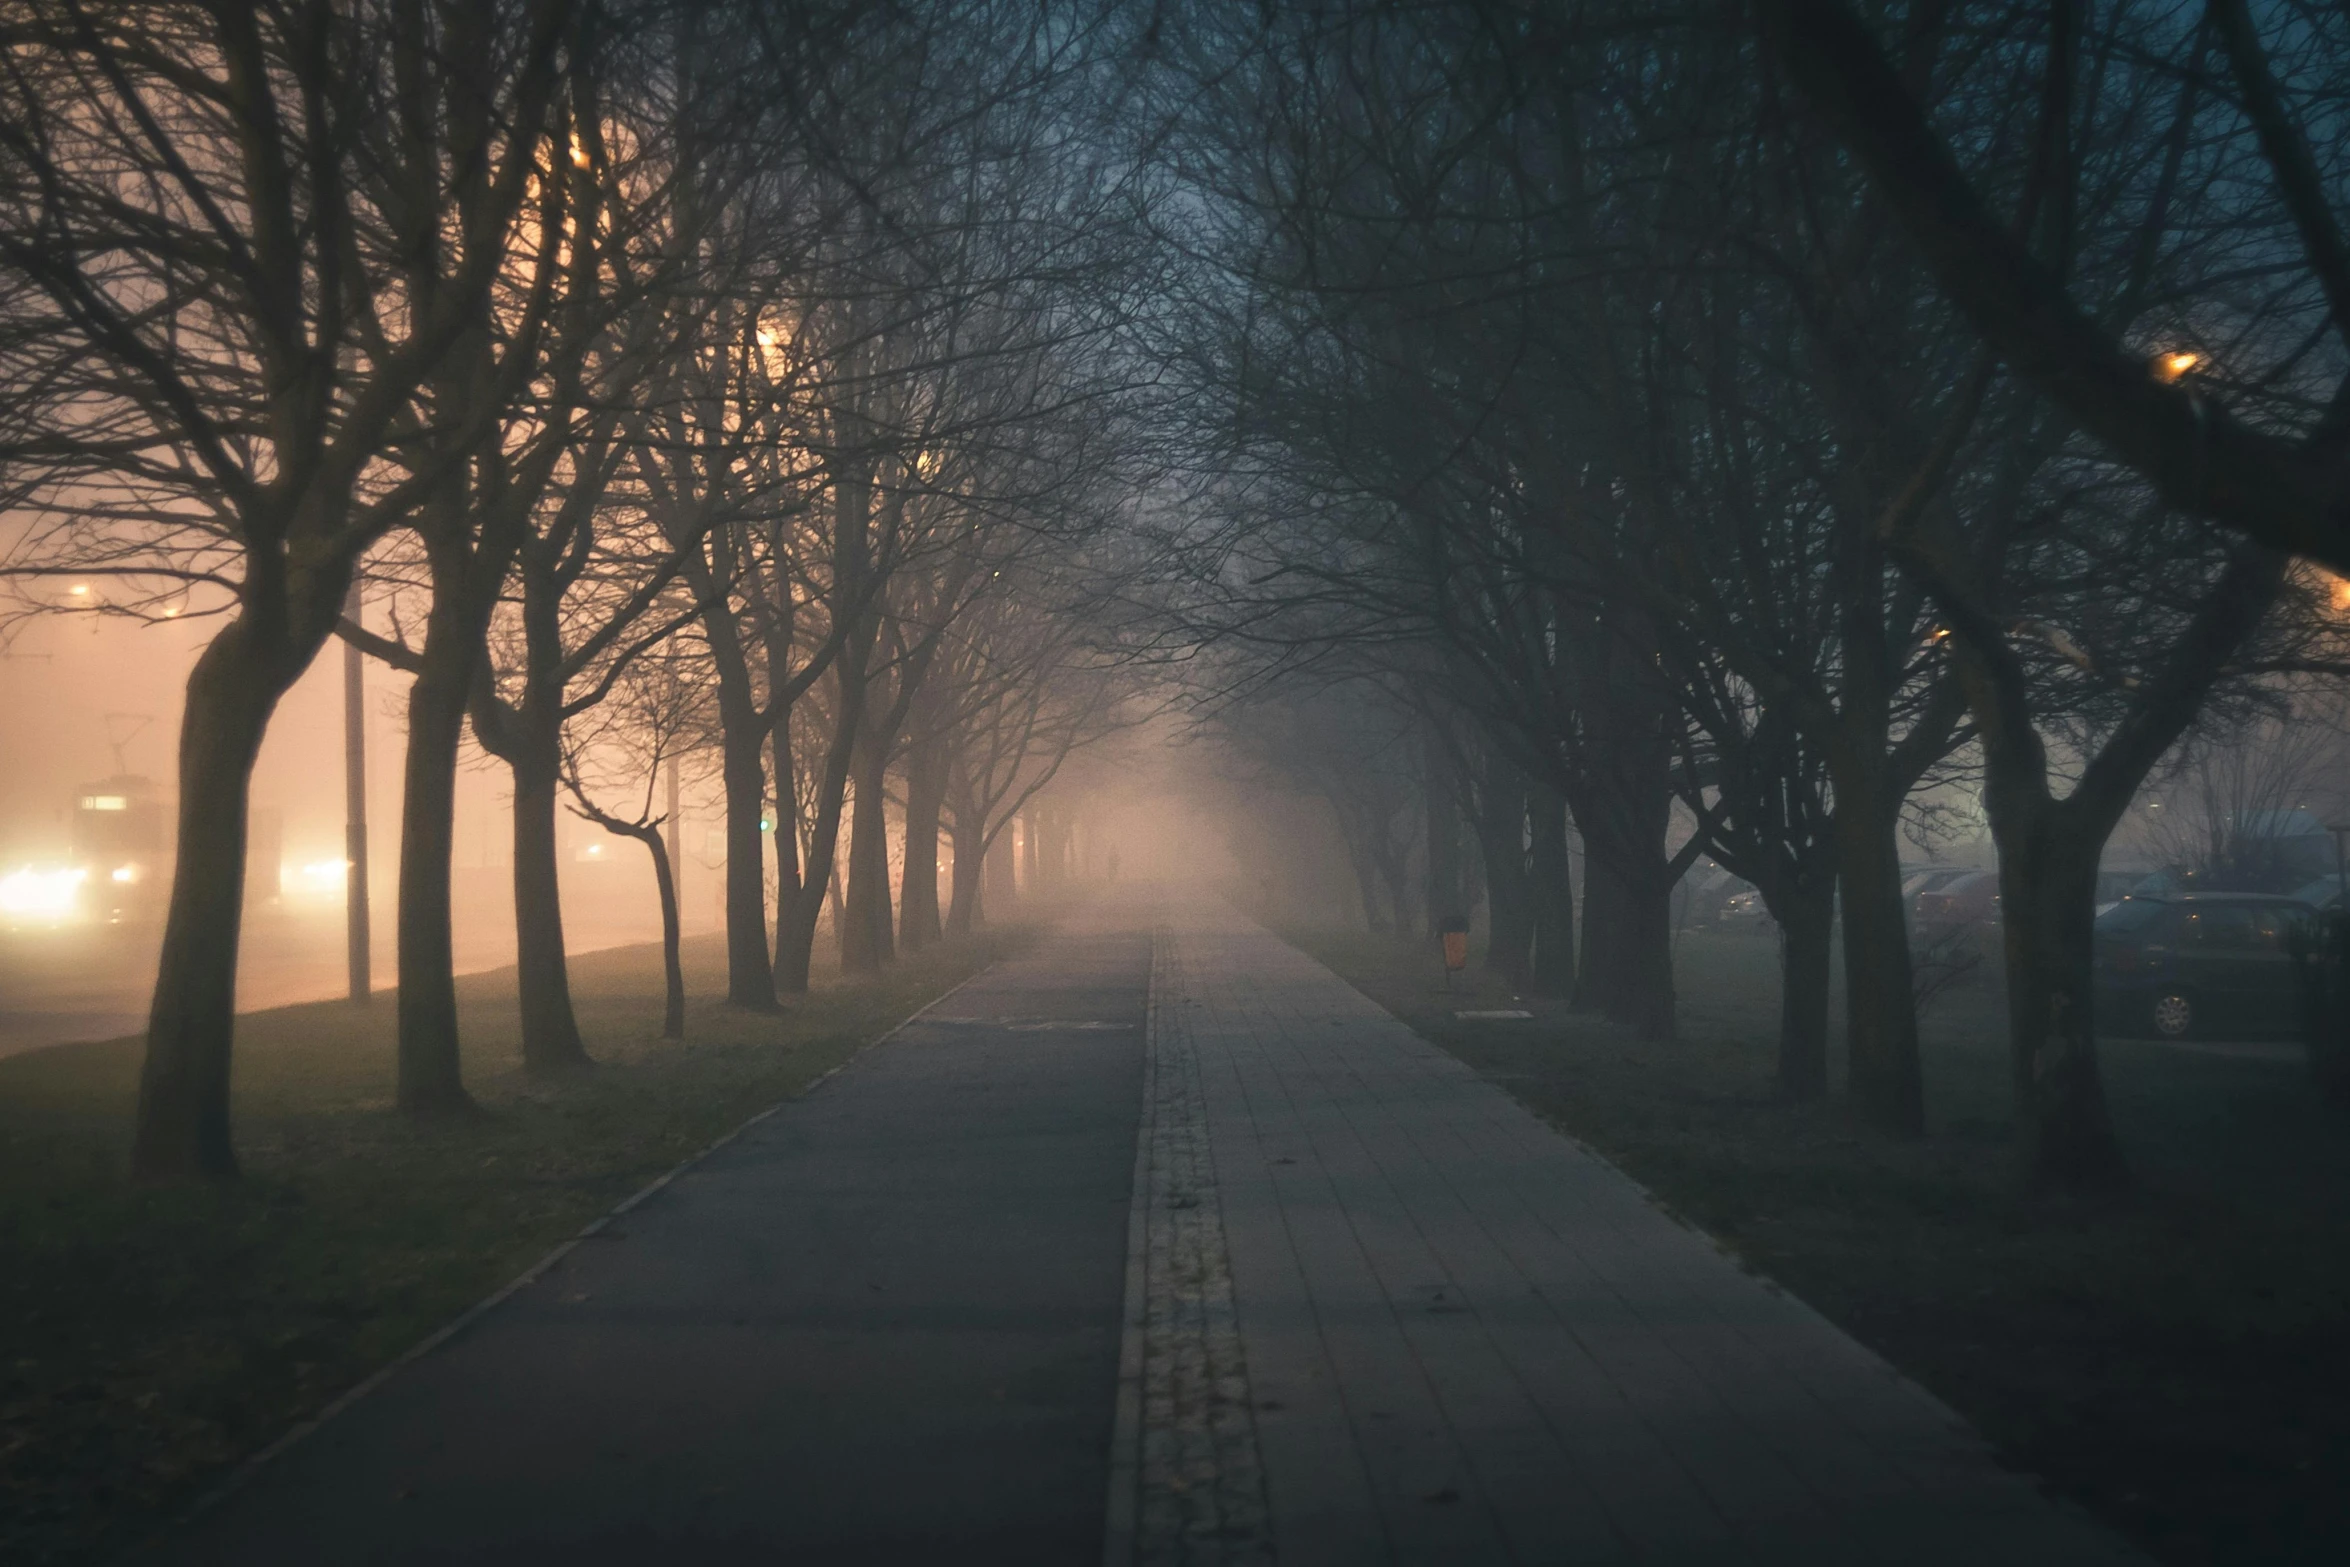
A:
(1021, 691)
(218, 339)
(2221, 803)
(2127, 170)
(2249, 433)
(630, 745)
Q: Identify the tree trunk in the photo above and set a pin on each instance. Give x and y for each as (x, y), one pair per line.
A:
(1440, 794)
(1472, 866)
(790, 852)
(183, 1114)
(1627, 972)
(1880, 1002)
(800, 913)
(1806, 913)
(918, 922)
(550, 1030)
(800, 907)
(1645, 1001)
(1366, 871)
(972, 862)
(1603, 929)
(431, 1075)
(2048, 853)
(865, 938)
(1393, 861)
(750, 972)
(2047, 899)
(672, 967)
(742, 730)
(1501, 844)
(999, 886)
(1551, 898)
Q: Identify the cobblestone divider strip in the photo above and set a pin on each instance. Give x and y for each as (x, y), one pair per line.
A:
(1199, 1483)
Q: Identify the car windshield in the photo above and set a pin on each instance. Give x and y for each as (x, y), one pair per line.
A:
(2129, 916)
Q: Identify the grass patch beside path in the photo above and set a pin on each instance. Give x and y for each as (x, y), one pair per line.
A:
(2177, 1359)
(150, 1338)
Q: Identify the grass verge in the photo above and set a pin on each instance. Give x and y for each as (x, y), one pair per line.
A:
(151, 1338)
(2177, 1358)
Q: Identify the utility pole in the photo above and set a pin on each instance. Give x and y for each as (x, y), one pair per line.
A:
(358, 936)
(676, 825)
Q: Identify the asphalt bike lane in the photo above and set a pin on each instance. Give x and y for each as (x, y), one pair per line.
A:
(880, 1326)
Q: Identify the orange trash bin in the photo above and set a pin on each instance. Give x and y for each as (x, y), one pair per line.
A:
(1454, 928)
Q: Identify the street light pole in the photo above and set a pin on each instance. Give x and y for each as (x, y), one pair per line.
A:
(359, 950)
(676, 825)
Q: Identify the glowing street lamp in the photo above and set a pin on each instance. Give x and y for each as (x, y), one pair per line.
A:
(2171, 367)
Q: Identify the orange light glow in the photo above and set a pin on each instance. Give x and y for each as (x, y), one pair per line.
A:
(2170, 367)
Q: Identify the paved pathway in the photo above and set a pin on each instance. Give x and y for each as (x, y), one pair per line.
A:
(1257, 1277)
(1418, 1325)
(881, 1326)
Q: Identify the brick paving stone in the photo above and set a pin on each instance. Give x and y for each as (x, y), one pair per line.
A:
(1396, 1317)
(1201, 1494)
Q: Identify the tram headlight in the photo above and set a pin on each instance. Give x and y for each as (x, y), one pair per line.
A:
(37, 893)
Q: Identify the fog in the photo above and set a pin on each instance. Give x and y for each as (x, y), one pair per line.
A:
(86, 696)
(71, 688)
(1444, 782)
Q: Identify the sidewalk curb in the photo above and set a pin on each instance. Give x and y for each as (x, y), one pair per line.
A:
(245, 1472)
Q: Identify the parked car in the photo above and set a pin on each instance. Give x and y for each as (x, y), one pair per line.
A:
(1928, 879)
(2323, 893)
(2215, 965)
(2115, 885)
(1744, 913)
(1971, 899)
(1699, 896)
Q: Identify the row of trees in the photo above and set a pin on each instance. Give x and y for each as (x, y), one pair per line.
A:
(1675, 433)
(672, 377)
(1717, 428)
